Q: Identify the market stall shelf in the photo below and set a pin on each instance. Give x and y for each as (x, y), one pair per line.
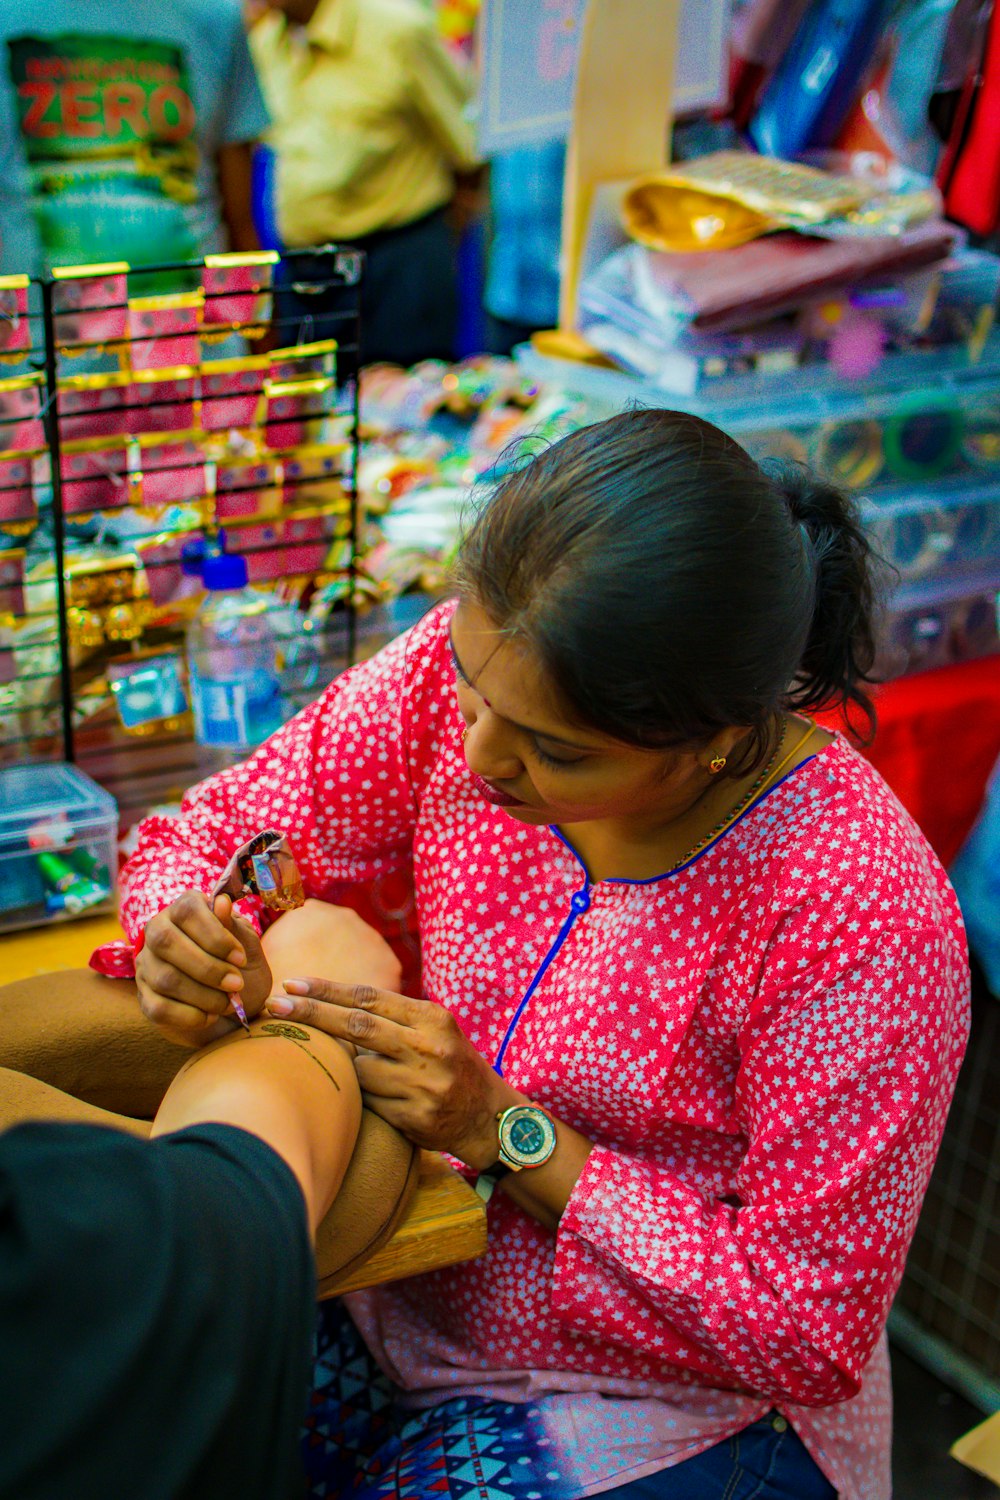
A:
(918, 442)
(155, 418)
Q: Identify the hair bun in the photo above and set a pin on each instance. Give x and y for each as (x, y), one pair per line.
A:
(841, 648)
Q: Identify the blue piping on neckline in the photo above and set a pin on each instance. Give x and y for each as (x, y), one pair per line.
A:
(580, 900)
(678, 869)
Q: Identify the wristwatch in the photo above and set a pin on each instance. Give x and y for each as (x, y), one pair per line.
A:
(526, 1138)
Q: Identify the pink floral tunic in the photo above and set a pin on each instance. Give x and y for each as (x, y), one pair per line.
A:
(762, 1045)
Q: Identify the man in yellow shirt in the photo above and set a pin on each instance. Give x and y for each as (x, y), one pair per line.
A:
(369, 130)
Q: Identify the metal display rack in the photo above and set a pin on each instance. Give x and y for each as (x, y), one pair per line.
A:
(32, 707)
(156, 411)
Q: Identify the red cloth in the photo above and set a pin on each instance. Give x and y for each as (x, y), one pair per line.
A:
(937, 742)
(973, 194)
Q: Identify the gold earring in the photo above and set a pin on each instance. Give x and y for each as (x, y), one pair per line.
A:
(465, 734)
(717, 764)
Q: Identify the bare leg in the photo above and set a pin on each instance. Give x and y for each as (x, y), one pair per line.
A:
(329, 942)
(85, 1034)
(82, 1037)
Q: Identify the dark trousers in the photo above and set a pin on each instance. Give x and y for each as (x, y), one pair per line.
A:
(409, 299)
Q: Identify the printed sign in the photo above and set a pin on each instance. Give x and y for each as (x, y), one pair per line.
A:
(108, 126)
(528, 74)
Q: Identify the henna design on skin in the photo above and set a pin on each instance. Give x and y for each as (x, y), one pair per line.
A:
(280, 1029)
(292, 1034)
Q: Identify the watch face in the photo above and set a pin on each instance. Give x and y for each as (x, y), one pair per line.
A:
(527, 1136)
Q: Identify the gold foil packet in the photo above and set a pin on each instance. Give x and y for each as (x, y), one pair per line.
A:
(777, 189)
(264, 867)
(722, 200)
(666, 215)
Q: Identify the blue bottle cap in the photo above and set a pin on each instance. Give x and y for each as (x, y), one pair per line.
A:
(193, 558)
(224, 570)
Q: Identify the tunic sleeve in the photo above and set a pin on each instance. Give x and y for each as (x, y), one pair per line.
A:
(848, 1060)
(336, 779)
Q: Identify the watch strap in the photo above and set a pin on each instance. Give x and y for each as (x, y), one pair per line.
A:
(486, 1182)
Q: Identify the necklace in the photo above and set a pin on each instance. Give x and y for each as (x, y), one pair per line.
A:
(769, 772)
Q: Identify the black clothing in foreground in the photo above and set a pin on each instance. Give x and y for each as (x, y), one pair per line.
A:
(157, 1306)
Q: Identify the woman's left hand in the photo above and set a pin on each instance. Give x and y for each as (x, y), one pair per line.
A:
(417, 1070)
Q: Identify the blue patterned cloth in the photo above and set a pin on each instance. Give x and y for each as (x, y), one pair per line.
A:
(360, 1442)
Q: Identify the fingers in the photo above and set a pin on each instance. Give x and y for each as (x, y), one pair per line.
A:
(192, 916)
(363, 997)
(183, 1023)
(393, 1111)
(355, 1019)
(190, 967)
(171, 953)
(248, 938)
(173, 983)
(381, 1077)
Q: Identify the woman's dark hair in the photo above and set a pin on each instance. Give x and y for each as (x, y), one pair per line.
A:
(671, 587)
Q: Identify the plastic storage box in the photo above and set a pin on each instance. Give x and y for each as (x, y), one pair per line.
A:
(58, 846)
(943, 531)
(918, 418)
(935, 624)
(918, 442)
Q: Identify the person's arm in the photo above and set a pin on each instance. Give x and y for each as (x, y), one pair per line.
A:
(235, 167)
(784, 1278)
(290, 1086)
(847, 1069)
(342, 779)
(336, 778)
(242, 121)
(439, 92)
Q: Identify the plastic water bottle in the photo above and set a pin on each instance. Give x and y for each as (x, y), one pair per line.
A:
(232, 646)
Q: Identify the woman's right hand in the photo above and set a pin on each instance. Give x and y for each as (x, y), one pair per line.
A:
(193, 960)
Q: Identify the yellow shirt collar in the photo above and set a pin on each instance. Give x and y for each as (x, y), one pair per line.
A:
(333, 25)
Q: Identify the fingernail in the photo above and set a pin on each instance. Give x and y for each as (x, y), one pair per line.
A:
(279, 1007)
(232, 982)
(296, 986)
(236, 957)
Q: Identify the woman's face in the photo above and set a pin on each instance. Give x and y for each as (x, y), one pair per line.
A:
(540, 766)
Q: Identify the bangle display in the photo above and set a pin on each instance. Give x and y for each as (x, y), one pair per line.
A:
(915, 543)
(923, 438)
(981, 440)
(849, 453)
(976, 533)
(778, 442)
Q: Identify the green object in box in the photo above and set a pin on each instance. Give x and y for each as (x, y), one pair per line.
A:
(86, 863)
(54, 803)
(56, 872)
(923, 437)
(70, 891)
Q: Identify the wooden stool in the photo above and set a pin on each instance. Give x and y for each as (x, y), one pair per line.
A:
(445, 1222)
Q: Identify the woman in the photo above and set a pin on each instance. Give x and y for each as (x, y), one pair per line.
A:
(690, 935)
